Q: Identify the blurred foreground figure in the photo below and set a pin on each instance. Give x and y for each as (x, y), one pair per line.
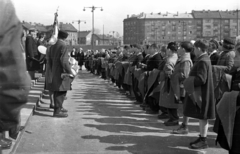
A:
(14, 81)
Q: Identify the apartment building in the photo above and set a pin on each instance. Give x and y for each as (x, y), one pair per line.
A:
(164, 27)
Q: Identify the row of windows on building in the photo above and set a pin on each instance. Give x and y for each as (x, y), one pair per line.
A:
(162, 38)
(164, 22)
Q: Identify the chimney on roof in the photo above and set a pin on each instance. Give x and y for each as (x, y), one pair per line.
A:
(177, 13)
(127, 16)
(151, 13)
(23, 21)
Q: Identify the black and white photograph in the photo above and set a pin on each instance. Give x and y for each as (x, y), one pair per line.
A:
(119, 77)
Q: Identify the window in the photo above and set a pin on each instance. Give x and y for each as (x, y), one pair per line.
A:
(207, 21)
(208, 27)
(207, 33)
(199, 21)
(190, 32)
(225, 21)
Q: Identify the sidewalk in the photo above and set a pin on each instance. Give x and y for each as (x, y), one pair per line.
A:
(103, 120)
(37, 87)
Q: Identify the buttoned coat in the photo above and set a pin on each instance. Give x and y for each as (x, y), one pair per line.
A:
(58, 62)
(203, 79)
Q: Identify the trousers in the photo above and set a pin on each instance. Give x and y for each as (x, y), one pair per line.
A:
(58, 97)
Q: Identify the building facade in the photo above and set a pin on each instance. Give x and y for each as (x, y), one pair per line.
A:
(72, 38)
(162, 28)
(84, 37)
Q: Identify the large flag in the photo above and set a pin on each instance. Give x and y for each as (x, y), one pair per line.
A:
(54, 36)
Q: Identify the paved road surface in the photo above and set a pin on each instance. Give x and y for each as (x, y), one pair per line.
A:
(103, 120)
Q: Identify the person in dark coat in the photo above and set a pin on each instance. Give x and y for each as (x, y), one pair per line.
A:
(229, 128)
(213, 51)
(59, 64)
(74, 53)
(226, 59)
(42, 57)
(200, 100)
(14, 80)
(32, 54)
(81, 58)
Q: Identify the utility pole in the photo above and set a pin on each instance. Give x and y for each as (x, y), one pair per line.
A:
(79, 22)
(237, 24)
(103, 34)
(93, 8)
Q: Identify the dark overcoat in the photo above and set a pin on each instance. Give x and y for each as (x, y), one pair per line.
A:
(32, 55)
(14, 81)
(80, 58)
(58, 62)
(203, 79)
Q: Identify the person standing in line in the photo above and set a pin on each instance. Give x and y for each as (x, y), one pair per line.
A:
(213, 51)
(199, 101)
(81, 58)
(229, 128)
(32, 56)
(166, 94)
(59, 64)
(181, 72)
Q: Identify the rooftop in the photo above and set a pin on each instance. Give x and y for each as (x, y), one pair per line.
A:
(67, 27)
(83, 33)
(167, 15)
(201, 14)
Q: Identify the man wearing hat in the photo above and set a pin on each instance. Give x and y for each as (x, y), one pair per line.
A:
(59, 64)
(32, 56)
(226, 59)
(213, 51)
(80, 58)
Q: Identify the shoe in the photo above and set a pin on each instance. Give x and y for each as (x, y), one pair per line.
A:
(63, 110)
(151, 112)
(200, 143)
(143, 105)
(51, 106)
(60, 115)
(8, 141)
(181, 130)
(5, 145)
(163, 116)
(171, 122)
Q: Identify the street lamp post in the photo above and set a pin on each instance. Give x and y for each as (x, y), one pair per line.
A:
(79, 21)
(113, 36)
(93, 9)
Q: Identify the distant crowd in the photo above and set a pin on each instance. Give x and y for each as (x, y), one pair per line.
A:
(202, 76)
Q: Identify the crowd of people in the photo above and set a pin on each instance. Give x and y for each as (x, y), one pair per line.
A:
(201, 76)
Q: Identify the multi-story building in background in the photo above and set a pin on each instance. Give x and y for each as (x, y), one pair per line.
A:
(165, 27)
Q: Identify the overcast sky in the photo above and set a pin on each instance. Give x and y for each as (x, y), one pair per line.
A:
(114, 11)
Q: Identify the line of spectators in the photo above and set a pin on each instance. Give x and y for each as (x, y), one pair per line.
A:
(202, 76)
